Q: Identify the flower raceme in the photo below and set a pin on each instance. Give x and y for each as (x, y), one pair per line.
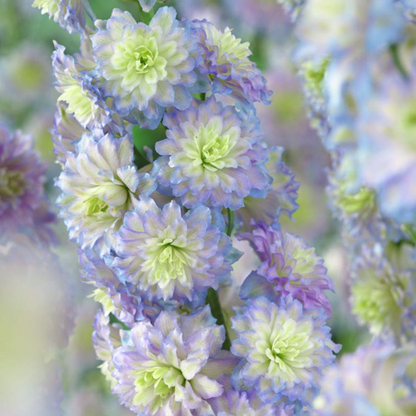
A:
(155, 239)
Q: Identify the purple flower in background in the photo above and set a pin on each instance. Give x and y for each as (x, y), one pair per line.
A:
(22, 177)
(284, 349)
(225, 61)
(68, 13)
(99, 184)
(213, 155)
(168, 254)
(146, 68)
(289, 267)
(172, 367)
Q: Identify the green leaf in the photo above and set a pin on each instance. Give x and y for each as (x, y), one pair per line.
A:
(146, 139)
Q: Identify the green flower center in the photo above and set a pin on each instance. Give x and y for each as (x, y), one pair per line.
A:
(156, 383)
(288, 347)
(143, 59)
(95, 206)
(11, 183)
(210, 148)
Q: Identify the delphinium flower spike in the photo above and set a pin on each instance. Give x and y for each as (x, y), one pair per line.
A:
(155, 222)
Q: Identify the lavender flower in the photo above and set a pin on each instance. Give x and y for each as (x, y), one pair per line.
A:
(22, 177)
(146, 68)
(171, 255)
(212, 156)
(99, 184)
(68, 13)
(289, 267)
(225, 61)
(283, 347)
(172, 367)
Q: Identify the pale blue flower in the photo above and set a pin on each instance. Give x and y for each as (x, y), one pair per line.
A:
(172, 367)
(146, 68)
(99, 184)
(213, 155)
(169, 254)
(284, 349)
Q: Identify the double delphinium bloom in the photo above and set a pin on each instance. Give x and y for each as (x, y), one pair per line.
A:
(155, 223)
(356, 62)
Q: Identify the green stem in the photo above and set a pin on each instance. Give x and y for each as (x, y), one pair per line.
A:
(202, 96)
(394, 53)
(89, 11)
(214, 302)
(230, 224)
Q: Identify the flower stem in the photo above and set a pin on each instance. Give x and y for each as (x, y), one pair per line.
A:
(214, 302)
(230, 224)
(394, 53)
(89, 11)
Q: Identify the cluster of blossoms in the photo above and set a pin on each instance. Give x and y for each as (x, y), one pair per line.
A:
(356, 61)
(154, 224)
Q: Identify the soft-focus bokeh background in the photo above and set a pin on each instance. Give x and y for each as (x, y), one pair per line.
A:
(27, 102)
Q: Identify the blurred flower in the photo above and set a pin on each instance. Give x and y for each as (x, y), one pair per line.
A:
(171, 255)
(213, 156)
(99, 184)
(172, 367)
(25, 77)
(368, 383)
(284, 349)
(146, 68)
(289, 267)
(387, 152)
(381, 296)
(22, 177)
(334, 27)
(36, 304)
